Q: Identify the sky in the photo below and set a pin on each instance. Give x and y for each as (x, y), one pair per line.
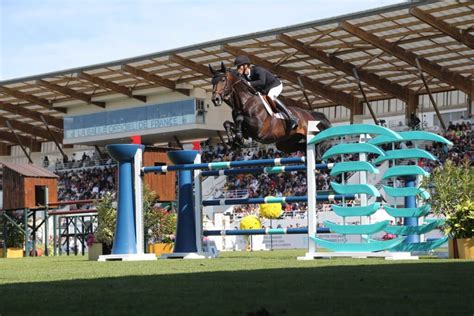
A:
(40, 36)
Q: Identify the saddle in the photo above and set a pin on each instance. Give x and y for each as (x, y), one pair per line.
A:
(271, 107)
(271, 103)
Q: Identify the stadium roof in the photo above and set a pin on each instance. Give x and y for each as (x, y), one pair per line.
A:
(385, 48)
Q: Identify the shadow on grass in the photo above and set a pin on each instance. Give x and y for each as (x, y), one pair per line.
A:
(408, 289)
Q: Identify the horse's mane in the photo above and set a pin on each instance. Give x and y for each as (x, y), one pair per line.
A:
(218, 75)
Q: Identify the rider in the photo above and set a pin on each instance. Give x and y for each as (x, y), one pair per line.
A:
(265, 82)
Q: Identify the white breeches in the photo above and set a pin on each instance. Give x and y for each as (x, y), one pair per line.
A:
(275, 92)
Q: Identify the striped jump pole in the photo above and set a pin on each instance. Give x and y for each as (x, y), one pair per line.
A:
(263, 231)
(284, 199)
(260, 170)
(225, 164)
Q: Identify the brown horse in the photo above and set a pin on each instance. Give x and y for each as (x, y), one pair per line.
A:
(253, 120)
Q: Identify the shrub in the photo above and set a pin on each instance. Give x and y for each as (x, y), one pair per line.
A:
(452, 188)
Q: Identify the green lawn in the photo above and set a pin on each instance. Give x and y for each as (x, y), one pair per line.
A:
(259, 283)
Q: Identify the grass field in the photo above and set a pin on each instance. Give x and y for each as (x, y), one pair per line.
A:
(258, 283)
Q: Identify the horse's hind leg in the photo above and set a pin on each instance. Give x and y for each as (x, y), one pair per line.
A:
(293, 144)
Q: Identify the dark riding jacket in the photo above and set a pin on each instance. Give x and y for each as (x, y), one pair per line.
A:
(262, 80)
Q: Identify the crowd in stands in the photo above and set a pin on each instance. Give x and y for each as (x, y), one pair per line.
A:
(85, 184)
(260, 185)
(89, 177)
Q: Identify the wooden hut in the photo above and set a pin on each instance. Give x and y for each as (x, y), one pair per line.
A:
(163, 184)
(28, 186)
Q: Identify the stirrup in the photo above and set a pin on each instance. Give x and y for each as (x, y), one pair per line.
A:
(293, 123)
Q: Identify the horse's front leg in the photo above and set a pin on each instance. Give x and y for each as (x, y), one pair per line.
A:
(229, 127)
(239, 119)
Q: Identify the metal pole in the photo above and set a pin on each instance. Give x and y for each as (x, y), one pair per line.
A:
(23, 148)
(75, 234)
(25, 219)
(46, 232)
(54, 138)
(427, 87)
(67, 234)
(55, 236)
(84, 237)
(271, 236)
(34, 233)
(5, 235)
(366, 100)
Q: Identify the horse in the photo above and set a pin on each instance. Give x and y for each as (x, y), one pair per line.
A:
(253, 120)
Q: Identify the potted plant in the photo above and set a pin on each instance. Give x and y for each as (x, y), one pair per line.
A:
(95, 249)
(160, 225)
(452, 191)
(157, 225)
(15, 238)
(101, 242)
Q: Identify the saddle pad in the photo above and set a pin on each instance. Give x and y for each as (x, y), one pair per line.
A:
(269, 109)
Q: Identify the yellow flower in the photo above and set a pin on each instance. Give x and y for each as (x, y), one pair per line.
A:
(250, 222)
(270, 210)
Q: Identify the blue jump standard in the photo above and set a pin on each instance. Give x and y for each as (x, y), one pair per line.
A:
(225, 164)
(286, 199)
(260, 170)
(263, 231)
(186, 230)
(410, 202)
(125, 234)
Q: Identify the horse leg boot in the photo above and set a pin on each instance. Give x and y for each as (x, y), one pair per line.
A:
(293, 119)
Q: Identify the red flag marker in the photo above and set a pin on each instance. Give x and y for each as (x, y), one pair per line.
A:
(136, 139)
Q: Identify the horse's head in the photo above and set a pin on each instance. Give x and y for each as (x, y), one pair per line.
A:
(223, 81)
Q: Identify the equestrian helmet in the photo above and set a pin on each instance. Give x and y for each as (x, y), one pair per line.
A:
(241, 60)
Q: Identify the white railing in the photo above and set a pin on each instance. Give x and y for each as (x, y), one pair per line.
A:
(86, 164)
(236, 194)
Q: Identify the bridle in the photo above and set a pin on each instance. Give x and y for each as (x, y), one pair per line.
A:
(226, 95)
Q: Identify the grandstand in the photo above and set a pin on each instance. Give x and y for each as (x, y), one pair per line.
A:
(408, 66)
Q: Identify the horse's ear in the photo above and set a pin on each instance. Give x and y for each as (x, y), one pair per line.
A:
(223, 69)
(212, 70)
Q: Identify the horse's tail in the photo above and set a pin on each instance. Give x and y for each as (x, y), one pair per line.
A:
(324, 123)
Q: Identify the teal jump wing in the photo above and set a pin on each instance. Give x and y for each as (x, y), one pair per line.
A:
(400, 171)
(356, 129)
(352, 166)
(373, 246)
(409, 136)
(345, 211)
(413, 153)
(409, 211)
(357, 229)
(407, 191)
(424, 136)
(413, 230)
(420, 246)
(353, 148)
(355, 189)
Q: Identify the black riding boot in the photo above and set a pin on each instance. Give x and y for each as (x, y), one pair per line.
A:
(293, 119)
